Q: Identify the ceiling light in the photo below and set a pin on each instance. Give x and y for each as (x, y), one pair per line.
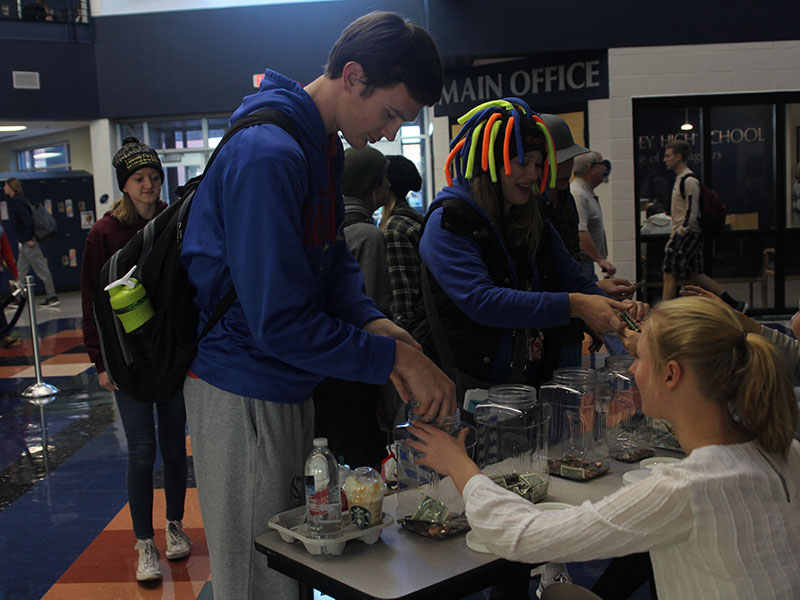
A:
(687, 126)
(45, 155)
(6, 128)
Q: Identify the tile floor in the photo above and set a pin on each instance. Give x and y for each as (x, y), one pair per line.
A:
(65, 529)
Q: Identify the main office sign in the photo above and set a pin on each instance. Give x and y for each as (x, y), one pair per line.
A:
(542, 80)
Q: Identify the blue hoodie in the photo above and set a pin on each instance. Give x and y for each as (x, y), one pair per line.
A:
(267, 218)
(455, 262)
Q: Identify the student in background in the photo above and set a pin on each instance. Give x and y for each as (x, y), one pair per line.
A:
(401, 225)
(658, 221)
(365, 188)
(139, 175)
(30, 253)
(7, 263)
(346, 412)
(682, 258)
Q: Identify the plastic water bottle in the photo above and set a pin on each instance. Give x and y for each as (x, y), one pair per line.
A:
(130, 302)
(323, 495)
(131, 305)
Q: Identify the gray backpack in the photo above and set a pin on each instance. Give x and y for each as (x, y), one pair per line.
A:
(44, 224)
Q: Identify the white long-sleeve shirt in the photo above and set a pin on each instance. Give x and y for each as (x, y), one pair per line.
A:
(724, 523)
(788, 347)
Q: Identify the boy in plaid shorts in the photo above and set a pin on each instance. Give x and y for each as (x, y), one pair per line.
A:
(682, 252)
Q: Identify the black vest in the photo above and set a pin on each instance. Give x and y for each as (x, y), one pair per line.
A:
(473, 344)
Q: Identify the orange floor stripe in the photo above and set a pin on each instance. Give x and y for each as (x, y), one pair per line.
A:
(107, 568)
(64, 359)
(178, 590)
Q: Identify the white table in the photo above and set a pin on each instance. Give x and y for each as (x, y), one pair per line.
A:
(404, 565)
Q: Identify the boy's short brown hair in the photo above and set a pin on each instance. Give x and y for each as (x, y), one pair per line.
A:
(391, 50)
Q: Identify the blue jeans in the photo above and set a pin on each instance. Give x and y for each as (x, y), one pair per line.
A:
(140, 430)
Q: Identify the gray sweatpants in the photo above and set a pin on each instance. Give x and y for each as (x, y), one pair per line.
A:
(31, 256)
(246, 454)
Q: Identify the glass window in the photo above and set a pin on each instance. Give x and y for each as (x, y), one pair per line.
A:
(793, 165)
(743, 164)
(127, 130)
(216, 129)
(791, 259)
(55, 156)
(655, 128)
(178, 135)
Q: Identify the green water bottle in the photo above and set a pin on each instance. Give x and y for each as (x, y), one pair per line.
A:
(130, 302)
(132, 306)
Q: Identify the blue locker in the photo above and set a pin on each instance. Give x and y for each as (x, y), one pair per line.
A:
(69, 195)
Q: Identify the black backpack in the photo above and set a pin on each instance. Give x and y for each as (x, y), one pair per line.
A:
(150, 364)
(712, 210)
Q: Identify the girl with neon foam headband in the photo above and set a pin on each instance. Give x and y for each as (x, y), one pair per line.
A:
(501, 279)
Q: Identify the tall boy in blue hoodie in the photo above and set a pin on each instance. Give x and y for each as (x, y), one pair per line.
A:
(267, 219)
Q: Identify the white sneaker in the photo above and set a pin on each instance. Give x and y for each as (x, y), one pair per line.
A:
(178, 543)
(148, 568)
(552, 573)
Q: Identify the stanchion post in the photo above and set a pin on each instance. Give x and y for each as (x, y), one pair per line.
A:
(39, 392)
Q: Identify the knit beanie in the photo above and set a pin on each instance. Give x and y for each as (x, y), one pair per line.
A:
(363, 171)
(133, 156)
(403, 176)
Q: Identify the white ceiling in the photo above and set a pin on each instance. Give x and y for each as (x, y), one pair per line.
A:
(37, 128)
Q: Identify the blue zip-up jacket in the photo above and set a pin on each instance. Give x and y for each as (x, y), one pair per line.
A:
(456, 263)
(267, 218)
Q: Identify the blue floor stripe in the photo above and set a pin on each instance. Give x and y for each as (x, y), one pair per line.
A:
(50, 526)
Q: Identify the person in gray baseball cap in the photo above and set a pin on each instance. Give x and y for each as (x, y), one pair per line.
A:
(561, 211)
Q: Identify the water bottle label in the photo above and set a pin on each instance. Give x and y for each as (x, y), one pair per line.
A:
(319, 466)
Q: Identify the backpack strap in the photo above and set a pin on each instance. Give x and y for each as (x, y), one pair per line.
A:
(443, 349)
(459, 217)
(682, 188)
(266, 116)
(113, 275)
(220, 310)
(682, 184)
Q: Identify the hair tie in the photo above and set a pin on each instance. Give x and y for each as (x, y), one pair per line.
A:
(742, 344)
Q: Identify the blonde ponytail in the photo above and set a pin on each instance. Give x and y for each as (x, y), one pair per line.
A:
(765, 402)
(387, 211)
(741, 369)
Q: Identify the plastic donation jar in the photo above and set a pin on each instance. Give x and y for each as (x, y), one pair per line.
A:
(626, 423)
(422, 493)
(571, 394)
(512, 429)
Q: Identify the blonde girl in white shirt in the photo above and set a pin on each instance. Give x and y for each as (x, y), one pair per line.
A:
(724, 523)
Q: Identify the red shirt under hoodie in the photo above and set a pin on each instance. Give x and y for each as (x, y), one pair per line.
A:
(106, 237)
(7, 256)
